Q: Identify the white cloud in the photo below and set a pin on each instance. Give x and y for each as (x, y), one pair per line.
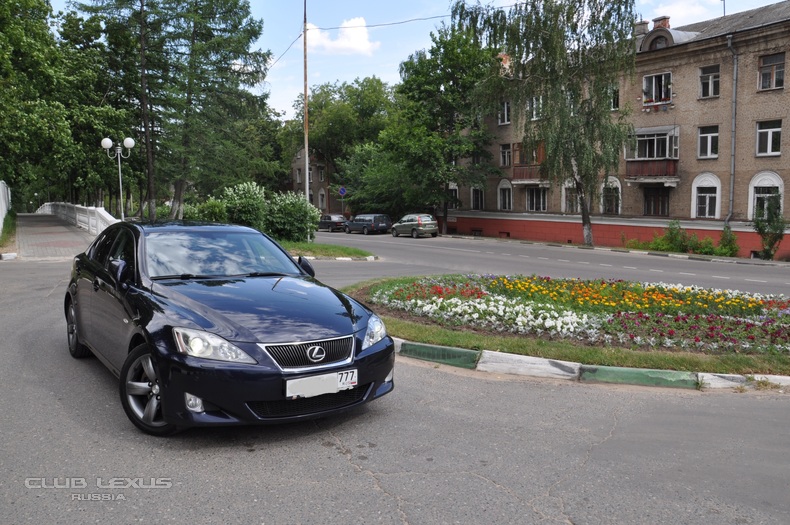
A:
(352, 39)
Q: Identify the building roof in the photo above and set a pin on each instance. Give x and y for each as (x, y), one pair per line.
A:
(743, 21)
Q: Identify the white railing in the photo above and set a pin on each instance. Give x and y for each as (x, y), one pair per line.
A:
(5, 201)
(89, 218)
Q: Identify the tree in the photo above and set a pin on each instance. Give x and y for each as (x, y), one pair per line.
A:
(565, 58)
(439, 87)
(770, 225)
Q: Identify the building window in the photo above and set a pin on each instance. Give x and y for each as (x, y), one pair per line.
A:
(709, 81)
(615, 98)
(706, 202)
(769, 137)
(657, 89)
(536, 199)
(536, 108)
(571, 200)
(298, 175)
(766, 199)
(654, 146)
(772, 71)
(504, 114)
(452, 200)
(504, 155)
(659, 42)
(708, 142)
(505, 196)
(657, 201)
(610, 197)
(310, 174)
(321, 199)
(321, 174)
(477, 199)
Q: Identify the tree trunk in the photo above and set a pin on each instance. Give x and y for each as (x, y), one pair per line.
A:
(144, 108)
(584, 206)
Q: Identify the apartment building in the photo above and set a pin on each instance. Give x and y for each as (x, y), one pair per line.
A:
(711, 115)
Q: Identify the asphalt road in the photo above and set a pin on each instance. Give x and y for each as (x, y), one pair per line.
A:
(447, 446)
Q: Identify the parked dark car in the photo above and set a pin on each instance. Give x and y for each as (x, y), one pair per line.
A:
(369, 223)
(333, 222)
(416, 225)
(218, 325)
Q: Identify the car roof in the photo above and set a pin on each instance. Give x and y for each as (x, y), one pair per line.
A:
(180, 225)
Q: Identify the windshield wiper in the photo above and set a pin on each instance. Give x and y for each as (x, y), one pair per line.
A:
(265, 274)
(182, 276)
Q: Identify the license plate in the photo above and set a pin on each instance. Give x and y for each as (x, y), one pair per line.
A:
(322, 384)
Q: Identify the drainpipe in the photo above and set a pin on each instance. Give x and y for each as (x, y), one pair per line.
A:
(734, 120)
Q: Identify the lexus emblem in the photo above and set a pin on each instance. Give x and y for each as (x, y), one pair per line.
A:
(316, 354)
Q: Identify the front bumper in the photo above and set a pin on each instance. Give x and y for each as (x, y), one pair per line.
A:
(235, 394)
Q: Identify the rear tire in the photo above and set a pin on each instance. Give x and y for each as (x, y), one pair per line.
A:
(76, 348)
(365, 230)
(141, 393)
(348, 230)
(434, 234)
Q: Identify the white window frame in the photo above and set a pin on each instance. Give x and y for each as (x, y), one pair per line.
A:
(503, 117)
(708, 142)
(320, 174)
(505, 155)
(298, 175)
(762, 180)
(536, 108)
(705, 180)
(573, 208)
(709, 81)
(542, 200)
(477, 194)
(321, 199)
(505, 195)
(772, 136)
(453, 189)
(649, 145)
(657, 89)
(612, 183)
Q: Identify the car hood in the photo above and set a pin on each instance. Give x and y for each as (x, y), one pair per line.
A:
(265, 309)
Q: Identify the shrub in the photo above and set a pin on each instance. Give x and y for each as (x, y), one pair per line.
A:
(728, 244)
(770, 226)
(212, 210)
(289, 217)
(245, 204)
(676, 238)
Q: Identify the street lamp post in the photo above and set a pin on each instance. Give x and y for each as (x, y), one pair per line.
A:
(128, 143)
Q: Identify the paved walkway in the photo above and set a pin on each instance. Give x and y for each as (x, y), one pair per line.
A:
(44, 236)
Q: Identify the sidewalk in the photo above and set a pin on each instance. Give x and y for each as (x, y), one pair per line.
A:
(46, 237)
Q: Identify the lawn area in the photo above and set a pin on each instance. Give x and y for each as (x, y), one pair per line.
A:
(598, 322)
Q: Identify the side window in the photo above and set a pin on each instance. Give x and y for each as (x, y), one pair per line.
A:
(123, 249)
(101, 249)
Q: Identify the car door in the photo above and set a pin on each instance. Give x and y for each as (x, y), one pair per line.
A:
(111, 323)
(85, 269)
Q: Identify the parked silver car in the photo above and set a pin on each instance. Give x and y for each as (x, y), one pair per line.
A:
(416, 225)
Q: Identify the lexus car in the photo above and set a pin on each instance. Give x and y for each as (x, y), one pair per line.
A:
(212, 324)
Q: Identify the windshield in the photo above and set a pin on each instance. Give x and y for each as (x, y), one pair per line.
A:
(214, 254)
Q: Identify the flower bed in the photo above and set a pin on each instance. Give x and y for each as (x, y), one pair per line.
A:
(608, 312)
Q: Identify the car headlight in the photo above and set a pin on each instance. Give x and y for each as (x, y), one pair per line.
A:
(375, 332)
(209, 346)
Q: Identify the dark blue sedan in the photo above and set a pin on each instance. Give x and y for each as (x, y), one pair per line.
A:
(209, 324)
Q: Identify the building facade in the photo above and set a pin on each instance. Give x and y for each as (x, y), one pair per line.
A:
(709, 110)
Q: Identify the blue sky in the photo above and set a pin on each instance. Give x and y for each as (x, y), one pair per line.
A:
(350, 39)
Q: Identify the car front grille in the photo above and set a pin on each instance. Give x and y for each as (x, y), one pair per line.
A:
(292, 357)
(309, 405)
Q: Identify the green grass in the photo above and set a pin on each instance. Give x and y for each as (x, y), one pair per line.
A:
(310, 249)
(9, 230)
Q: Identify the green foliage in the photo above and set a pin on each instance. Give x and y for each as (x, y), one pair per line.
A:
(212, 210)
(728, 243)
(245, 204)
(676, 238)
(290, 217)
(770, 225)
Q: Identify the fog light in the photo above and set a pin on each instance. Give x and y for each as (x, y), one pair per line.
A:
(390, 375)
(194, 403)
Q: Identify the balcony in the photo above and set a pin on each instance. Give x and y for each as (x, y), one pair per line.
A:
(652, 171)
(527, 174)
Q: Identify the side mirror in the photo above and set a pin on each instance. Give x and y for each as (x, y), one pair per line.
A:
(120, 271)
(305, 265)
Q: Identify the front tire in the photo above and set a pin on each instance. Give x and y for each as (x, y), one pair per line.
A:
(414, 234)
(76, 348)
(365, 230)
(348, 230)
(141, 391)
(394, 232)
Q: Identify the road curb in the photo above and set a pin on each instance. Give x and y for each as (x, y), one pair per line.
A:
(504, 363)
